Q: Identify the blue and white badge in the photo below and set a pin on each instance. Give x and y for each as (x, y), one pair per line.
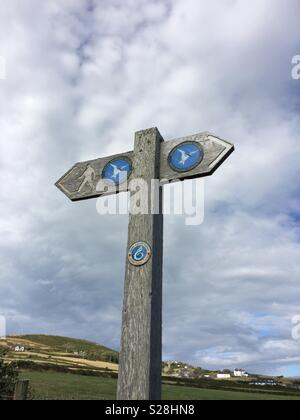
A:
(139, 253)
(117, 171)
(186, 156)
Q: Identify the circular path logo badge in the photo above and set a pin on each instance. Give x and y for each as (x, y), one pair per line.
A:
(117, 171)
(186, 156)
(139, 253)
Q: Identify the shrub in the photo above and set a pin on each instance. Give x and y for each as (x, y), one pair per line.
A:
(8, 377)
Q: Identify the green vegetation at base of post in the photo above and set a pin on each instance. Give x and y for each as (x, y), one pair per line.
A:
(8, 377)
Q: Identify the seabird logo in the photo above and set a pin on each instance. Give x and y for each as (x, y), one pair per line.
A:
(296, 67)
(185, 156)
(117, 171)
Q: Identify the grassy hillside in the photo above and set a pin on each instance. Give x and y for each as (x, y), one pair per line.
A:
(92, 351)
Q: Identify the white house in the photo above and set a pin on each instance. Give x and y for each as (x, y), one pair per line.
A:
(223, 376)
(240, 373)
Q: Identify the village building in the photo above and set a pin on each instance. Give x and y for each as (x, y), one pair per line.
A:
(223, 376)
(240, 373)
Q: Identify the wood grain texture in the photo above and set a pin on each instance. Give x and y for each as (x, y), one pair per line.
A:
(73, 184)
(21, 390)
(216, 151)
(141, 343)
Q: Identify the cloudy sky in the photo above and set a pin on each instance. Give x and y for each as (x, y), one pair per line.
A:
(81, 77)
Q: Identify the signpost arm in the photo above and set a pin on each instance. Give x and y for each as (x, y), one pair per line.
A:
(141, 342)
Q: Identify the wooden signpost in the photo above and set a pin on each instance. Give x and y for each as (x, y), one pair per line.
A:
(152, 159)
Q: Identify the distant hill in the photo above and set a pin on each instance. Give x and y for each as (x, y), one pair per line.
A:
(90, 350)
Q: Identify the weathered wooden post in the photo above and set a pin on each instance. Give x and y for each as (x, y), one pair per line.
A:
(140, 356)
(153, 159)
(21, 390)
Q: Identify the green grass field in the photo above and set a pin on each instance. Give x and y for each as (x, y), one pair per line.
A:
(64, 386)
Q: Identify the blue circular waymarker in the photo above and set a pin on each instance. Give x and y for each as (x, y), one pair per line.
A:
(186, 156)
(139, 253)
(117, 171)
